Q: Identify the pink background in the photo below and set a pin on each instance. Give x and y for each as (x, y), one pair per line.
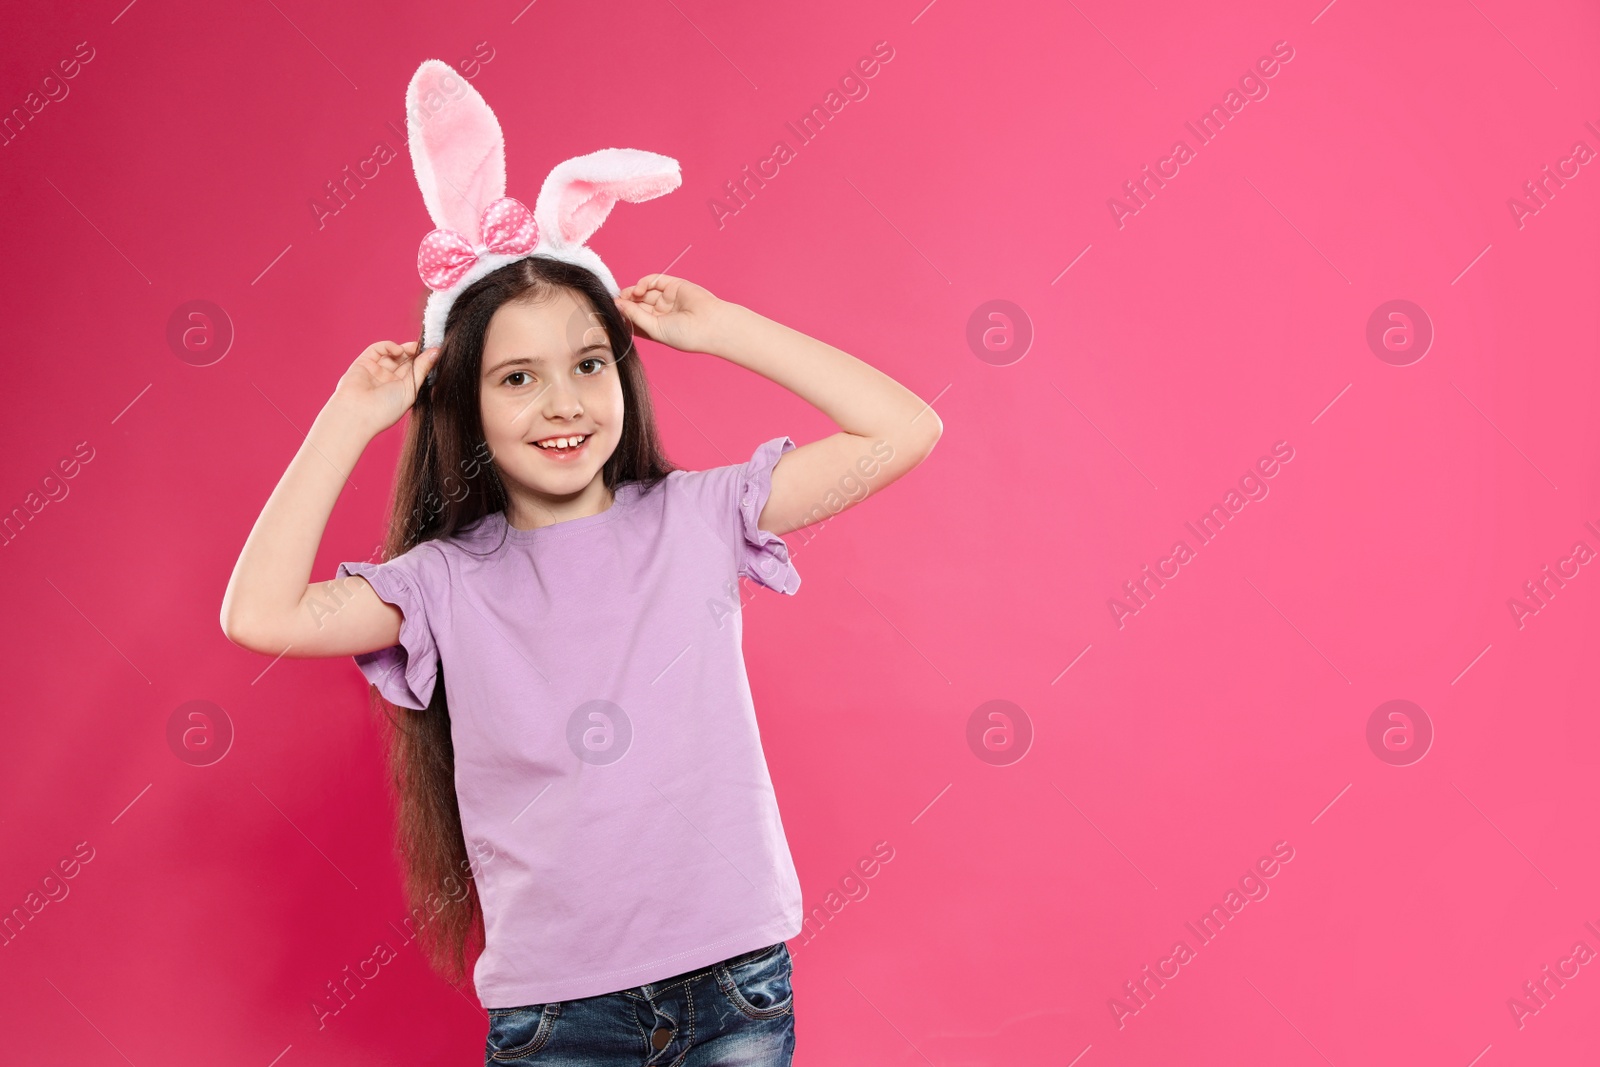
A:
(1228, 314)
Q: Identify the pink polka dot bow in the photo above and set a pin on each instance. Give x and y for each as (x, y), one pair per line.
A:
(445, 256)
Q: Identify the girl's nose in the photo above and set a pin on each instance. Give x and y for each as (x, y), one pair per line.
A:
(562, 399)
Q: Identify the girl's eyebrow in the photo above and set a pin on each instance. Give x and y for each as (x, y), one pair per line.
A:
(539, 361)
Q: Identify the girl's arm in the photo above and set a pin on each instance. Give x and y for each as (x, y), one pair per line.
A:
(270, 605)
(887, 429)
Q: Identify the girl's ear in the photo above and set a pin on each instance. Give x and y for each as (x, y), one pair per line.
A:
(578, 195)
(457, 149)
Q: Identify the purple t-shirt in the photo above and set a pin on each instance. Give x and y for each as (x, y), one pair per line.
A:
(608, 765)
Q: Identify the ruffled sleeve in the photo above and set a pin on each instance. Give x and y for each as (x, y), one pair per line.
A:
(404, 673)
(763, 556)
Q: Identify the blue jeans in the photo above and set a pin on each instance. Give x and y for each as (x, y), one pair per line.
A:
(737, 1013)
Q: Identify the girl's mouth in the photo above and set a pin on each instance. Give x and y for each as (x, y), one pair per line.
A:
(567, 452)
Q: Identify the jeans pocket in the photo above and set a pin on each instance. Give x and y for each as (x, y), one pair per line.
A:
(518, 1033)
(759, 985)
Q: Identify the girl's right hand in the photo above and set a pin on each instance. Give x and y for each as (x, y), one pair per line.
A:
(381, 385)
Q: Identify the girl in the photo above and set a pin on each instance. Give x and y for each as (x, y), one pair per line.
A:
(556, 635)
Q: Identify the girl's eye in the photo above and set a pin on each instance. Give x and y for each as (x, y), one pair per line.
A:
(599, 365)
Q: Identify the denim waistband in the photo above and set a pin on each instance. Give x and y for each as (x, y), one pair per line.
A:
(700, 972)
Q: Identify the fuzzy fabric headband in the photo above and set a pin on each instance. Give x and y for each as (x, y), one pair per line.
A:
(459, 155)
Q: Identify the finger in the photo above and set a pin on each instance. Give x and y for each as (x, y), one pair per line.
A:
(418, 367)
(637, 318)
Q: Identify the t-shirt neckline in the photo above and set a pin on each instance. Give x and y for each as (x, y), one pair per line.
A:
(583, 522)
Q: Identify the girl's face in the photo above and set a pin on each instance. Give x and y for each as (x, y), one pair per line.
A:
(549, 372)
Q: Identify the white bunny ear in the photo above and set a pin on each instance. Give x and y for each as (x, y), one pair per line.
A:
(578, 195)
(457, 149)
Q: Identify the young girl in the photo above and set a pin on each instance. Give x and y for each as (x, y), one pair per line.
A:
(555, 632)
(558, 628)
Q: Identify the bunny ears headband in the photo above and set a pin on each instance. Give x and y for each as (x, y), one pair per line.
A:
(459, 155)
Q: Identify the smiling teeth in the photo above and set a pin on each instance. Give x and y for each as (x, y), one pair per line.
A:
(562, 442)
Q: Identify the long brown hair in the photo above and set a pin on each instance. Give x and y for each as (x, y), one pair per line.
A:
(445, 481)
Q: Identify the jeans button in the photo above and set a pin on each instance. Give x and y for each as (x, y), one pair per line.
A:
(660, 1038)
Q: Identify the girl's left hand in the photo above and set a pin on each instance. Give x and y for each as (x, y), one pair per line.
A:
(673, 311)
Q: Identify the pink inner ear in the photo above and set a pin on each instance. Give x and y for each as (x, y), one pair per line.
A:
(584, 206)
(469, 165)
(468, 179)
(457, 148)
(579, 193)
